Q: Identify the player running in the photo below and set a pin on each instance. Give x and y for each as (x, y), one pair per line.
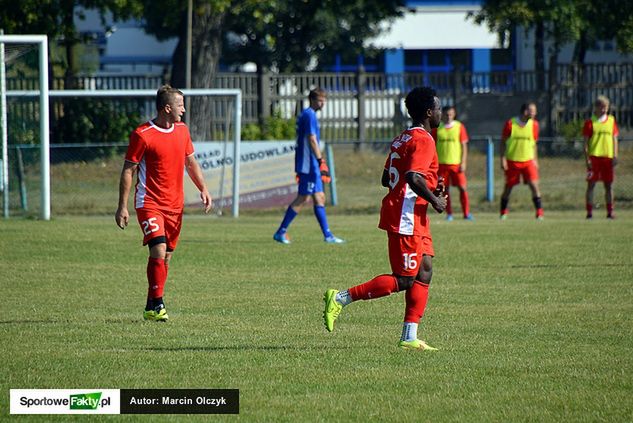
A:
(159, 151)
(452, 153)
(410, 173)
(601, 153)
(311, 171)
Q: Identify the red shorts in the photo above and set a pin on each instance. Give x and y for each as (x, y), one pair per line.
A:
(160, 223)
(452, 175)
(406, 251)
(517, 170)
(601, 169)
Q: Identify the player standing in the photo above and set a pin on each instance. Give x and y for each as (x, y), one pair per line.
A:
(452, 153)
(311, 171)
(519, 157)
(159, 151)
(601, 153)
(410, 173)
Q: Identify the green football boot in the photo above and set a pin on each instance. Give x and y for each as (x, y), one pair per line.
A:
(416, 344)
(332, 309)
(157, 315)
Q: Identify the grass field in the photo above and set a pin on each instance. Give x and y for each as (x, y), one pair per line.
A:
(534, 321)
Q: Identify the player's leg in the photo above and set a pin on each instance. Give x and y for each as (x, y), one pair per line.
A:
(505, 199)
(536, 198)
(608, 194)
(318, 198)
(608, 177)
(531, 177)
(152, 224)
(304, 192)
(404, 260)
(459, 180)
(512, 178)
(449, 205)
(156, 277)
(589, 198)
(416, 299)
(444, 174)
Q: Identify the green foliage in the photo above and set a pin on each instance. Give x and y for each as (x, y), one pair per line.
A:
(96, 121)
(251, 132)
(289, 35)
(572, 130)
(278, 128)
(274, 128)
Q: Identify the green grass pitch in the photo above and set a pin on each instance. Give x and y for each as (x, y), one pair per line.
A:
(534, 321)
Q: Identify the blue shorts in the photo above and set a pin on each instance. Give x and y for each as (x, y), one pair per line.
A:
(310, 184)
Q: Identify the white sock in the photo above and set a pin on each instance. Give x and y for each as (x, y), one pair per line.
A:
(343, 298)
(409, 331)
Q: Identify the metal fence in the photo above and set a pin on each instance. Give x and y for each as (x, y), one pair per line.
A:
(366, 107)
(84, 177)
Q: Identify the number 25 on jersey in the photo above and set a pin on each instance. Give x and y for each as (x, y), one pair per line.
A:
(150, 226)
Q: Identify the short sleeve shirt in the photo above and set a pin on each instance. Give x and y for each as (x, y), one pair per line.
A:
(307, 124)
(160, 154)
(402, 210)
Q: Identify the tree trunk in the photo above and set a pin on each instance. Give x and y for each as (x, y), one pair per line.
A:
(205, 52)
(539, 54)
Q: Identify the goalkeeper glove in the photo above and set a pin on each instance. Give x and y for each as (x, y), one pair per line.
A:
(325, 172)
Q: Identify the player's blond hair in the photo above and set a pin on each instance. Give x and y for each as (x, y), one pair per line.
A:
(601, 100)
(165, 95)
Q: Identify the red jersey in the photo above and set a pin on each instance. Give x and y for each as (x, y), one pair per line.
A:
(160, 154)
(402, 210)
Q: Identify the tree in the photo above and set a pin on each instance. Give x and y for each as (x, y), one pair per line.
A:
(56, 18)
(294, 35)
(558, 20)
(287, 34)
(580, 21)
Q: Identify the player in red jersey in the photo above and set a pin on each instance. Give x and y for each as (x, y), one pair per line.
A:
(601, 153)
(159, 151)
(411, 175)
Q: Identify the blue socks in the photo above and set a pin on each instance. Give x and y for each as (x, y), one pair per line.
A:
(290, 214)
(319, 212)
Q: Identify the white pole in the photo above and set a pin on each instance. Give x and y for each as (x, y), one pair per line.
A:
(44, 132)
(236, 154)
(5, 139)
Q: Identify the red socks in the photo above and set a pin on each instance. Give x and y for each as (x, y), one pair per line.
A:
(380, 286)
(416, 298)
(156, 277)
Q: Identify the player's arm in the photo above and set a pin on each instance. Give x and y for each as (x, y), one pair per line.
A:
(122, 215)
(535, 129)
(195, 173)
(316, 150)
(507, 131)
(384, 180)
(418, 184)
(587, 132)
(615, 150)
(463, 139)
